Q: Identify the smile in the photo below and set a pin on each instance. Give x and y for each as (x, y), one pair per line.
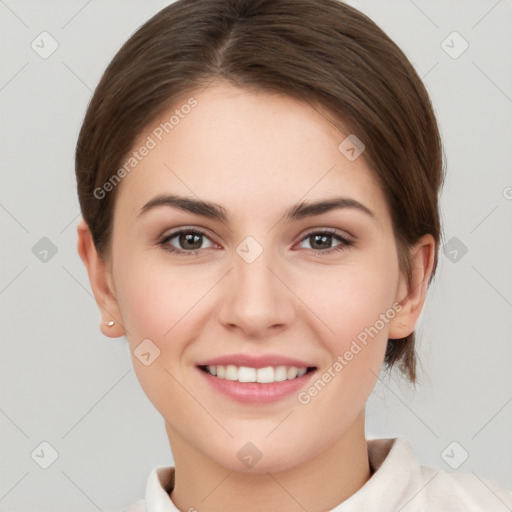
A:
(264, 375)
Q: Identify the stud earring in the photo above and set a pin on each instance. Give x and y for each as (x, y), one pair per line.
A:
(110, 323)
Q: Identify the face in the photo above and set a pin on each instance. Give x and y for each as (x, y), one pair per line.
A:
(268, 285)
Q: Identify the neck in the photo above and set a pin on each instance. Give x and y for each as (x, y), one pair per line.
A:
(319, 484)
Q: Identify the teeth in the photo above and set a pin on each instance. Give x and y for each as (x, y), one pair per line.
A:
(231, 373)
(292, 372)
(265, 375)
(280, 373)
(246, 374)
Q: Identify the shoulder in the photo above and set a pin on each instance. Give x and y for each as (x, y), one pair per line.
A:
(408, 486)
(467, 491)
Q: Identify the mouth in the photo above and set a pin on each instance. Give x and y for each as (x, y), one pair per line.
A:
(256, 379)
(265, 375)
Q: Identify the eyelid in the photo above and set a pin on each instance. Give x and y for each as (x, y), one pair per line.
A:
(332, 231)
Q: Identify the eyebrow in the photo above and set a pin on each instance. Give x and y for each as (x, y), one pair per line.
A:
(215, 211)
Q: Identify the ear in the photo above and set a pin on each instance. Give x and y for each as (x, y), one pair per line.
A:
(412, 296)
(101, 283)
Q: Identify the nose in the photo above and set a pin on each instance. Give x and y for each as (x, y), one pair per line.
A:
(257, 299)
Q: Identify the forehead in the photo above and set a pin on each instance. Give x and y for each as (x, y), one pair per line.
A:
(251, 151)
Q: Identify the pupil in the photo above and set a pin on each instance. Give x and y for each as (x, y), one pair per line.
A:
(185, 240)
(323, 239)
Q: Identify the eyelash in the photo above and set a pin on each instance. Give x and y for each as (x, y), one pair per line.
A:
(344, 242)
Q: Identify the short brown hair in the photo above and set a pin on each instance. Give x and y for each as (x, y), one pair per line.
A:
(323, 52)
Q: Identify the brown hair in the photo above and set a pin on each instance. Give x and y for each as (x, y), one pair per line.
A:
(323, 52)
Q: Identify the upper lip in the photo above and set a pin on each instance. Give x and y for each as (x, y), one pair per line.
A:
(255, 361)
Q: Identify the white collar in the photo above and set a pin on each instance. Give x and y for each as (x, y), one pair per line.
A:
(390, 459)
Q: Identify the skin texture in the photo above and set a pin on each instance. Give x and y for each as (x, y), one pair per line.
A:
(256, 154)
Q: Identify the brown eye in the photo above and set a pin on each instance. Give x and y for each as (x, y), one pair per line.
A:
(188, 241)
(321, 241)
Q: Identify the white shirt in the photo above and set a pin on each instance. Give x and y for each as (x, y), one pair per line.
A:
(398, 483)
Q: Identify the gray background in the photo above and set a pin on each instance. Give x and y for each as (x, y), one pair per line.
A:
(63, 383)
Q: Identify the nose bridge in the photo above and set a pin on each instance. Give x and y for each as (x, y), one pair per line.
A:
(254, 262)
(256, 298)
(252, 275)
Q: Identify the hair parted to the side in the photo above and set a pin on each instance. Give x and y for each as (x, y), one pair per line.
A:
(323, 52)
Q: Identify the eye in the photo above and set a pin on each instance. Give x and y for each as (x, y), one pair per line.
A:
(189, 241)
(322, 240)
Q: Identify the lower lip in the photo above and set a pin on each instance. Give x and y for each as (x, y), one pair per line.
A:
(256, 392)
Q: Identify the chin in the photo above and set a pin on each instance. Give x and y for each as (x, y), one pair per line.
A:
(264, 466)
(250, 459)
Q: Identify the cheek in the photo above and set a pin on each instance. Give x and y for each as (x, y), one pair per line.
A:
(158, 302)
(352, 300)
(357, 311)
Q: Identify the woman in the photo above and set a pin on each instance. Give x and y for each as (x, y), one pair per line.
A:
(259, 183)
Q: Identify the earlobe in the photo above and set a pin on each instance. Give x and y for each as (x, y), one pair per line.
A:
(411, 296)
(100, 280)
